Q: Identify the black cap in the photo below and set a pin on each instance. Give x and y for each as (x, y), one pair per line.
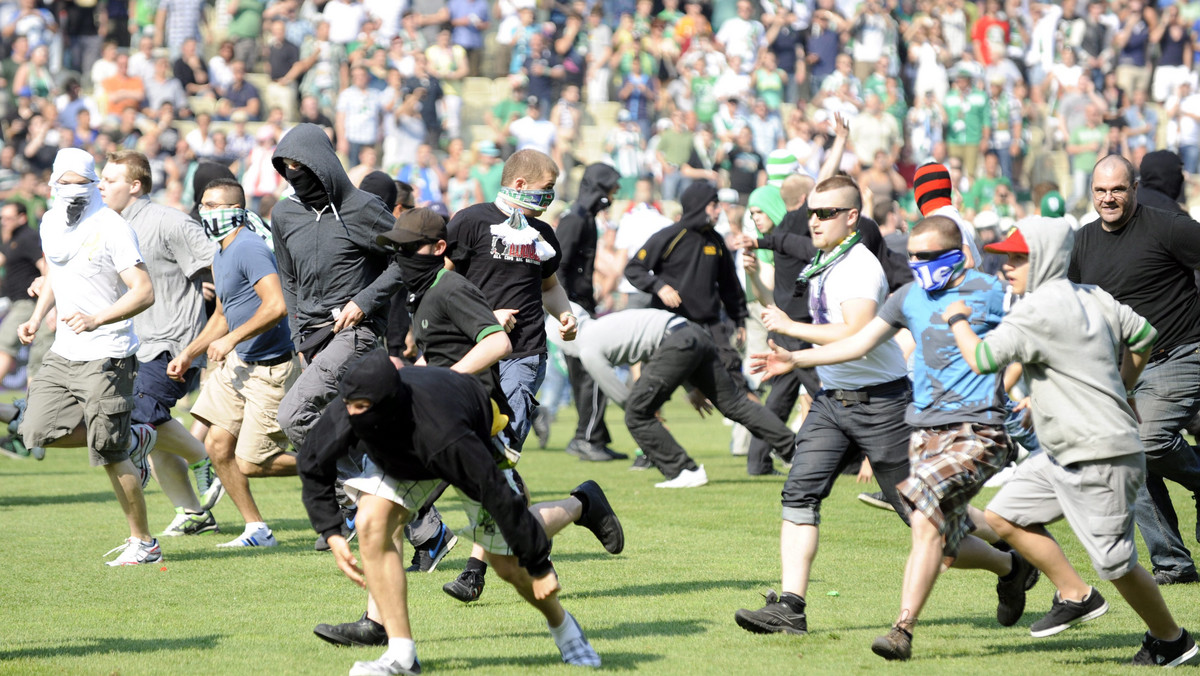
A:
(415, 225)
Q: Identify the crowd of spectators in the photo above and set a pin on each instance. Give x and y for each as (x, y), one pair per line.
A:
(1010, 94)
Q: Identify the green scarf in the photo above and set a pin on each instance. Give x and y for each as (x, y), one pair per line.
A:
(822, 261)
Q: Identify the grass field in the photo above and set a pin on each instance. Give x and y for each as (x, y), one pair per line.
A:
(664, 606)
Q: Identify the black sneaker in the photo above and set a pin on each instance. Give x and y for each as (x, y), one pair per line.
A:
(585, 451)
(1011, 592)
(1064, 614)
(1159, 653)
(349, 517)
(640, 463)
(894, 645)
(365, 632)
(466, 587)
(426, 559)
(774, 618)
(615, 455)
(1166, 577)
(541, 426)
(598, 516)
(876, 500)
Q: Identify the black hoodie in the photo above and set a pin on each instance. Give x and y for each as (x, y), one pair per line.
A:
(691, 257)
(577, 234)
(330, 257)
(426, 423)
(1161, 184)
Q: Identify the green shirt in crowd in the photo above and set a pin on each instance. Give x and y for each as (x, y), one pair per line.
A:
(965, 116)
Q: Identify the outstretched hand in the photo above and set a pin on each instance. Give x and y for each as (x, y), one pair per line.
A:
(345, 560)
(774, 363)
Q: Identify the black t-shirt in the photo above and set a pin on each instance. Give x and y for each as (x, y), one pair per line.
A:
(794, 250)
(21, 254)
(282, 57)
(184, 73)
(452, 318)
(743, 167)
(1147, 265)
(784, 48)
(510, 276)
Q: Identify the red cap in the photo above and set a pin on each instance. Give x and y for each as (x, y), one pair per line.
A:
(1013, 244)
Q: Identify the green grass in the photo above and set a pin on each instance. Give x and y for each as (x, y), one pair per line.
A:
(664, 606)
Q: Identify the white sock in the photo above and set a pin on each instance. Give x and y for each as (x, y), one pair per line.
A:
(255, 526)
(403, 650)
(564, 631)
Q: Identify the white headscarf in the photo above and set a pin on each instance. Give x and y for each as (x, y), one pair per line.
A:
(58, 242)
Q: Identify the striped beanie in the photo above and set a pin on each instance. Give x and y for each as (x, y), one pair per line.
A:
(931, 186)
(780, 164)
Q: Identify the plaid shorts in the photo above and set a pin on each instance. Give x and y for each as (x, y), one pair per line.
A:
(949, 466)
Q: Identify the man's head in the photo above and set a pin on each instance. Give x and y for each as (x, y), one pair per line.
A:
(991, 164)
(1016, 268)
(1114, 191)
(833, 209)
(13, 216)
(222, 208)
(404, 198)
(766, 208)
(382, 186)
(528, 180)
(238, 70)
(360, 77)
(643, 190)
(125, 178)
(417, 232)
(795, 190)
(368, 382)
(1093, 115)
(935, 253)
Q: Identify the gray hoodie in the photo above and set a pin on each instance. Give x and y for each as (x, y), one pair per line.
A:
(329, 258)
(1069, 337)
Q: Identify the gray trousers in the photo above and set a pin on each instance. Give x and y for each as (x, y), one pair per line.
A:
(318, 383)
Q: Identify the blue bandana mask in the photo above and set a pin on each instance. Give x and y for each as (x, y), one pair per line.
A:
(934, 275)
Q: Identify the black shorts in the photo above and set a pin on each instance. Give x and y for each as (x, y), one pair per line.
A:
(154, 394)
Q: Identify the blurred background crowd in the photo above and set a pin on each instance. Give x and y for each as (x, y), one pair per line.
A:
(1017, 98)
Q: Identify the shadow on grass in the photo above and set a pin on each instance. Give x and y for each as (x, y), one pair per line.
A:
(93, 646)
(64, 499)
(622, 661)
(1074, 645)
(643, 629)
(281, 549)
(667, 588)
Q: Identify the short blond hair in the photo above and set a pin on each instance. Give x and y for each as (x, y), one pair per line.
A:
(137, 168)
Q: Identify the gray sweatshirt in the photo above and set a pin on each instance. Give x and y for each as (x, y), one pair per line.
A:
(1069, 337)
(616, 339)
(330, 258)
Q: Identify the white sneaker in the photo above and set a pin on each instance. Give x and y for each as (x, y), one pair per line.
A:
(688, 478)
(259, 537)
(134, 552)
(144, 437)
(575, 649)
(384, 666)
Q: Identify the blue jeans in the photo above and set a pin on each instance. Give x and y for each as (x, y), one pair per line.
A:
(1191, 158)
(520, 379)
(1168, 396)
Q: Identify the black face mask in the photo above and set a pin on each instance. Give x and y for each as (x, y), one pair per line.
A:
(373, 377)
(418, 272)
(308, 187)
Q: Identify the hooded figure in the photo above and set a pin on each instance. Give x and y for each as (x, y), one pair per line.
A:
(691, 258)
(325, 237)
(73, 203)
(1161, 183)
(577, 236)
(1068, 337)
(382, 186)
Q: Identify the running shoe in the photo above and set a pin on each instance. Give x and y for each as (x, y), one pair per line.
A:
(135, 552)
(259, 537)
(190, 523)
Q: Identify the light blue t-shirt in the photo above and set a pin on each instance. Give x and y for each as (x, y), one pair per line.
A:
(945, 389)
(236, 269)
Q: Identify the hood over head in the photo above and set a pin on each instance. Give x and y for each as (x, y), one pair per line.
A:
(373, 377)
(73, 202)
(308, 145)
(1162, 170)
(768, 199)
(695, 201)
(1050, 241)
(598, 181)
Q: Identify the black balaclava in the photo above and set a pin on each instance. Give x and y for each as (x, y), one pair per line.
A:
(373, 377)
(695, 201)
(308, 187)
(382, 186)
(418, 271)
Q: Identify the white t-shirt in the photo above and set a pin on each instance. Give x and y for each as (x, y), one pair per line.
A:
(1189, 128)
(85, 263)
(857, 275)
(636, 227)
(531, 133)
(345, 20)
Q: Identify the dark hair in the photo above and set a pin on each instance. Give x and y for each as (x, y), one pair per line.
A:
(21, 210)
(228, 184)
(404, 195)
(947, 230)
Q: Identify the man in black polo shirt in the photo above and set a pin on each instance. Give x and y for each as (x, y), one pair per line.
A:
(746, 168)
(1145, 258)
(21, 257)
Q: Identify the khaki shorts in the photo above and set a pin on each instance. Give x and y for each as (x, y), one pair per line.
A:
(1096, 498)
(243, 399)
(411, 495)
(18, 314)
(97, 393)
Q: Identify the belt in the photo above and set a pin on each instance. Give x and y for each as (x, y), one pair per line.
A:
(676, 324)
(273, 361)
(863, 396)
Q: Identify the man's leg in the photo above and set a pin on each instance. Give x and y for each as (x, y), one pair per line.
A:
(127, 485)
(317, 385)
(221, 444)
(674, 360)
(590, 403)
(381, 549)
(785, 391)
(154, 394)
(1168, 398)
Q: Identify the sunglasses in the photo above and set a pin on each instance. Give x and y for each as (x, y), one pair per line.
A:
(929, 255)
(826, 214)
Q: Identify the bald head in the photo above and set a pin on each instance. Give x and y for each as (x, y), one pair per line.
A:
(1117, 163)
(1114, 191)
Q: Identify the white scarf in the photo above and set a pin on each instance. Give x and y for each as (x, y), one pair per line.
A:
(516, 231)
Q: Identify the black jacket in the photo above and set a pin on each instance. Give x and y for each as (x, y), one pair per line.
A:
(794, 250)
(436, 426)
(329, 258)
(691, 257)
(577, 234)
